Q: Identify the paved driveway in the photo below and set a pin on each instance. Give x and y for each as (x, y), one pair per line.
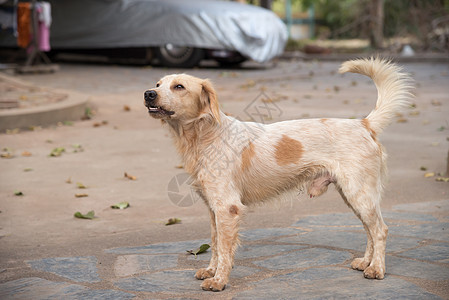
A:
(300, 248)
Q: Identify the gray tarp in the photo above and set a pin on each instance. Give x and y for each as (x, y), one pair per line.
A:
(255, 32)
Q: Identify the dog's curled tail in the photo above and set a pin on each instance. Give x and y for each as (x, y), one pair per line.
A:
(393, 88)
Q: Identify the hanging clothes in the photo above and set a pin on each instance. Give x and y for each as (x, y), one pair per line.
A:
(23, 24)
(43, 10)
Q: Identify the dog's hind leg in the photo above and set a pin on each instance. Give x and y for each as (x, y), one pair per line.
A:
(365, 204)
(227, 219)
(210, 270)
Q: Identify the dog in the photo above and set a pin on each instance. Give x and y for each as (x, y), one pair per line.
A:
(235, 164)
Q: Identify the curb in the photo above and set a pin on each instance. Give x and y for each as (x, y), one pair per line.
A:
(70, 109)
(429, 57)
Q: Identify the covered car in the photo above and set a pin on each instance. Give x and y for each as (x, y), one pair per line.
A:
(179, 33)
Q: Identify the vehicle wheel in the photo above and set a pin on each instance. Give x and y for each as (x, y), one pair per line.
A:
(179, 57)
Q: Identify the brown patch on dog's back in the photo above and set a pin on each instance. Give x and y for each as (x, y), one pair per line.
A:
(234, 210)
(247, 154)
(323, 120)
(365, 123)
(288, 151)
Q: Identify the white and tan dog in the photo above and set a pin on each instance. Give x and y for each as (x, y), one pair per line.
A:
(235, 164)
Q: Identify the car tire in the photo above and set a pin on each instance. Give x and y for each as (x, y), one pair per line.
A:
(231, 62)
(179, 57)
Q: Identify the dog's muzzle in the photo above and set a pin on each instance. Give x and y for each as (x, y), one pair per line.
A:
(150, 96)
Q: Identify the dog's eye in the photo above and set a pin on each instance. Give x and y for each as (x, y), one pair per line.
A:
(157, 84)
(179, 87)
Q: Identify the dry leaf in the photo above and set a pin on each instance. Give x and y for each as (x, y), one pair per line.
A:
(81, 195)
(172, 221)
(249, 84)
(130, 177)
(69, 180)
(436, 103)
(80, 185)
(442, 179)
(126, 108)
(430, 174)
(26, 153)
(7, 153)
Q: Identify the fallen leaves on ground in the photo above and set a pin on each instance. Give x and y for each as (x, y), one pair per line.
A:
(130, 177)
(442, 179)
(90, 215)
(81, 195)
(429, 174)
(121, 205)
(77, 148)
(435, 103)
(7, 153)
(173, 221)
(98, 124)
(81, 186)
(18, 193)
(126, 108)
(57, 151)
(26, 153)
(203, 248)
(88, 114)
(248, 84)
(229, 74)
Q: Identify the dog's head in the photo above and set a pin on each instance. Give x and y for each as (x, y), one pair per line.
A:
(182, 98)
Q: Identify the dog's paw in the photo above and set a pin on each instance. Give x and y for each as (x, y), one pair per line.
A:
(213, 284)
(360, 264)
(374, 272)
(204, 273)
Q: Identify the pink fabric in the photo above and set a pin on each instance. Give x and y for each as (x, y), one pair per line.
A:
(44, 37)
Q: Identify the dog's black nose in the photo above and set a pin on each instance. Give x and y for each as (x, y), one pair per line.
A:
(150, 95)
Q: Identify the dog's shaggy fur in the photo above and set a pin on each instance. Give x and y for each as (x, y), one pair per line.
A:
(234, 164)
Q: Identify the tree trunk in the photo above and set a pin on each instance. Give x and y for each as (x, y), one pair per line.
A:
(376, 23)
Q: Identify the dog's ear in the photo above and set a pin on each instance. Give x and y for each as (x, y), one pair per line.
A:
(209, 98)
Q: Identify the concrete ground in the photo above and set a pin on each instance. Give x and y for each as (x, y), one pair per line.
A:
(300, 248)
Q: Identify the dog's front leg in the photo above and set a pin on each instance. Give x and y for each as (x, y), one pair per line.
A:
(210, 270)
(227, 219)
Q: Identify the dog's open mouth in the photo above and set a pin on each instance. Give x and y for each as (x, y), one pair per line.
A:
(160, 110)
